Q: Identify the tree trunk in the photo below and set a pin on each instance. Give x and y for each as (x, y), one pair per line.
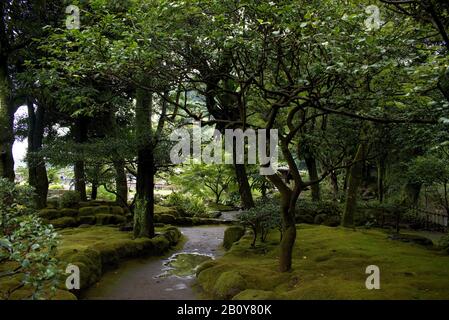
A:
(6, 125)
(411, 193)
(80, 135)
(37, 172)
(121, 183)
(244, 187)
(380, 179)
(288, 203)
(313, 175)
(354, 181)
(143, 220)
(334, 183)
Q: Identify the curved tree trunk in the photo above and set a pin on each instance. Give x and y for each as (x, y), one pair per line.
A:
(244, 187)
(37, 171)
(288, 203)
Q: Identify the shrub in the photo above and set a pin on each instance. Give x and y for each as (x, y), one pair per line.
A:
(313, 208)
(264, 217)
(25, 240)
(443, 243)
(187, 206)
(69, 199)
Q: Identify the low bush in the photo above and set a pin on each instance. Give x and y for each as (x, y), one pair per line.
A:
(69, 199)
(187, 206)
(264, 217)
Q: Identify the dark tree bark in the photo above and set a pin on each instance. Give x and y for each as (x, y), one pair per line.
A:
(244, 187)
(313, 175)
(36, 164)
(354, 181)
(6, 124)
(143, 216)
(334, 183)
(121, 183)
(380, 179)
(80, 135)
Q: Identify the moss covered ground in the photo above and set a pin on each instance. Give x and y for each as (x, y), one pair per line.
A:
(328, 263)
(94, 249)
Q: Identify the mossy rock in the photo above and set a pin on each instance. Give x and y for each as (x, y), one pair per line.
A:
(49, 214)
(413, 238)
(320, 218)
(117, 210)
(332, 221)
(172, 234)
(167, 218)
(52, 204)
(206, 265)
(304, 218)
(161, 244)
(64, 222)
(229, 284)
(84, 204)
(62, 295)
(232, 234)
(102, 210)
(104, 219)
(252, 294)
(87, 219)
(67, 212)
(86, 211)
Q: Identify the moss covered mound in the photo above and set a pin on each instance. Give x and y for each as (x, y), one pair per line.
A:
(96, 248)
(232, 234)
(229, 284)
(330, 263)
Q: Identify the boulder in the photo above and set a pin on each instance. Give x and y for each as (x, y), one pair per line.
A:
(67, 212)
(64, 222)
(412, 238)
(232, 234)
(229, 284)
(49, 214)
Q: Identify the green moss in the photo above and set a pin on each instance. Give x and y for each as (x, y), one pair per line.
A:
(104, 219)
(330, 263)
(158, 210)
(50, 214)
(66, 212)
(95, 248)
(117, 210)
(251, 294)
(102, 210)
(64, 222)
(86, 211)
(229, 284)
(232, 234)
(205, 265)
(87, 219)
(167, 218)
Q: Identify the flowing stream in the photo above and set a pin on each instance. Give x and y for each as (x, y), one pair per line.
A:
(159, 279)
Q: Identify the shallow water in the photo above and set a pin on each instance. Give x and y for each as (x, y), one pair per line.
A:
(161, 279)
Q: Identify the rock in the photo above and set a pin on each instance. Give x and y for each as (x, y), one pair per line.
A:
(232, 234)
(320, 218)
(167, 219)
(252, 294)
(412, 238)
(87, 220)
(304, 218)
(332, 221)
(104, 219)
(64, 222)
(117, 210)
(102, 210)
(126, 227)
(229, 284)
(215, 214)
(49, 214)
(67, 212)
(86, 211)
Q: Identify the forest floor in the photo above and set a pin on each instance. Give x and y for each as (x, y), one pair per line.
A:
(328, 263)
